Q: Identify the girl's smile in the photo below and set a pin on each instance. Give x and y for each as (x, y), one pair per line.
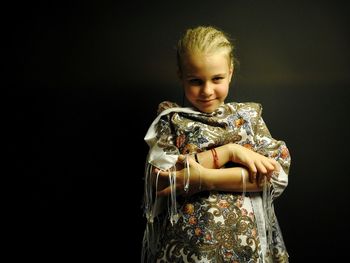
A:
(206, 79)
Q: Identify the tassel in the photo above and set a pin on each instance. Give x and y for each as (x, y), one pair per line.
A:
(244, 185)
(173, 209)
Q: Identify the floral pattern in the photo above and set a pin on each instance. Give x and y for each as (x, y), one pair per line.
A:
(217, 226)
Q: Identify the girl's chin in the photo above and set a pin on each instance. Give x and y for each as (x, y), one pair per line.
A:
(209, 109)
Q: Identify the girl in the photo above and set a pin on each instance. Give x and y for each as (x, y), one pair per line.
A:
(213, 169)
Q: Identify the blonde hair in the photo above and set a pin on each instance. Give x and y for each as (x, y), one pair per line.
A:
(204, 39)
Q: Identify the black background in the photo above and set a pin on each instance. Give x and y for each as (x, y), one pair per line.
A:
(83, 86)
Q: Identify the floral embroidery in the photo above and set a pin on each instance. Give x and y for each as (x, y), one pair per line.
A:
(217, 227)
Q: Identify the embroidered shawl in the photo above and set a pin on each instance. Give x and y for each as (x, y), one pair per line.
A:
(178, 130)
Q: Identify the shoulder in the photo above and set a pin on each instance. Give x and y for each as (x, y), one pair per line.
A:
(164, 105)
(252, 108)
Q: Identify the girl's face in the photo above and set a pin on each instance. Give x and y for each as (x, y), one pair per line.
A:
(206, 79)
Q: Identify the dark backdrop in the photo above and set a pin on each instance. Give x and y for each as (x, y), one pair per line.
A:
(85, 81)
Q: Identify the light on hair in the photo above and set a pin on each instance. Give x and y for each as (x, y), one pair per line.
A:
(204, 39)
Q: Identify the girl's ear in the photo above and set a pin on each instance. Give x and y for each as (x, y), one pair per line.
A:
(231, 72)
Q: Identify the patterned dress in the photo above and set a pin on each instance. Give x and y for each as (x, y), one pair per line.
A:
(213, 226)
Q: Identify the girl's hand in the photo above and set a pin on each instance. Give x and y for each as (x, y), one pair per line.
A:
(181, 175)
(258, 165)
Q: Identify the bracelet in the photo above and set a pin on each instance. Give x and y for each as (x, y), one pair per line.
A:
(196, 157)
(216, 159)
(199, 175)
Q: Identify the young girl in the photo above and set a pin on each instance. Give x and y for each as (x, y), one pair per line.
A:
(213, 169)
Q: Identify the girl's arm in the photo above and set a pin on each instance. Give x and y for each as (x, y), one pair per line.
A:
(202, 178)
(256, 163)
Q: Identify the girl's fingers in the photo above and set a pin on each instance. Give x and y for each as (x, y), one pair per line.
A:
(268, 176)
(252, 176)
(252, 171)
(261, 167)
(162, 173)
(181, 158)
(166, 191)
(268, 165)
(259, 180)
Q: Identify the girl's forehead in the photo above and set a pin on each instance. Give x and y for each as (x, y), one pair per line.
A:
(200, 60)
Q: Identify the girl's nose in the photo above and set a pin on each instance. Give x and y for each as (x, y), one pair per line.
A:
(207, 89)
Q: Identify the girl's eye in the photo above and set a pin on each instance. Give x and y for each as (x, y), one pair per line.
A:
(218, 78)
(195, 81)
